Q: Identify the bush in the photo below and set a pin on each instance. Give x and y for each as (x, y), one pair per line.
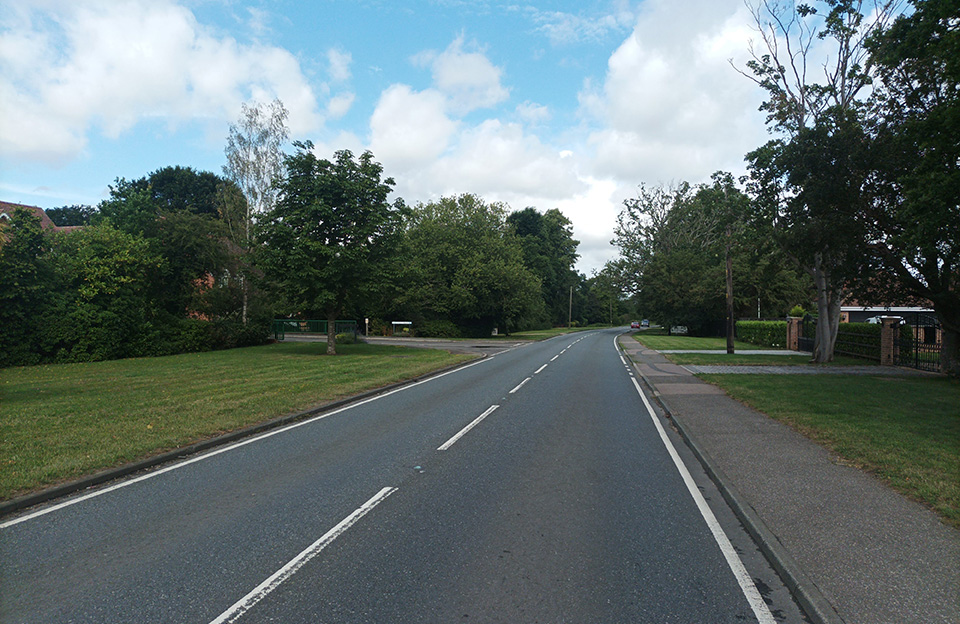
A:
(763, 333)
(439, 329)
(346, 338)
(797, 311)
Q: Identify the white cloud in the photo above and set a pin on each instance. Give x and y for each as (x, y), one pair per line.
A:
(339, 105)
(533, 113)
(68, 67)
(339, 65)
(469, 79)
(565, 28)
(410, 129)
(671, 106)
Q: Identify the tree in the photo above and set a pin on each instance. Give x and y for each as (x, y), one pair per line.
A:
(105, 280)
(255, 161)
(180, 221)
(466, 266)
(25, 283)
(915, 213)
(71, 215)
(814, 174)
(331, 227)
(668, 245)
(549, 251)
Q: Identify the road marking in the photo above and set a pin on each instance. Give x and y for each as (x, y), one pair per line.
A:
(554, 357)
(520, 385)
(464, 431)
(749, 589)
(537, 372)
(263, 589)
(231, 447)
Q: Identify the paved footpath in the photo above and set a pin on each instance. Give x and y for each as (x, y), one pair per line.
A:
(858, 552)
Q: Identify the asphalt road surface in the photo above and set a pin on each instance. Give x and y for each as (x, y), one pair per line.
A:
(535, 485)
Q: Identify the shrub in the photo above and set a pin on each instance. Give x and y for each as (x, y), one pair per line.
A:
(346, 338)
(763, 333)
(797, 311)
(439, 329)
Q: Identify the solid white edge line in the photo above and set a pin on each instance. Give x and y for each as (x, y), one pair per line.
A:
(539, 370)
(231, 447)
(747, 586)
(520, 385)
(290, 568)
(463, 432)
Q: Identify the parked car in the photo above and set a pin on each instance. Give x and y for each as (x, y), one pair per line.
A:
(635, 325)
(875, 320)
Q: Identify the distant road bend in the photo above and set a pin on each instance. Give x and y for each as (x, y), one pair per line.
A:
(535, 485)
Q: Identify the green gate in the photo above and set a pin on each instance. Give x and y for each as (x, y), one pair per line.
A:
(281, 327)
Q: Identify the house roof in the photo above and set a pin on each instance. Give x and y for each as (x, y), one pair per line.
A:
(7, 209)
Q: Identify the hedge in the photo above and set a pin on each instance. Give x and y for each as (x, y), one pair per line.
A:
(763, 333)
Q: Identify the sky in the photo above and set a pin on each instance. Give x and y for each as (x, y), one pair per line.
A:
(559, 104)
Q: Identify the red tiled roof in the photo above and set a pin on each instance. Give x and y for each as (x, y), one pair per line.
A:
(7, 208)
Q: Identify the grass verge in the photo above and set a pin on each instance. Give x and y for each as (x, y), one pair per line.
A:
(906, 431)
(688, 342)
(773, 359)
(59, 422)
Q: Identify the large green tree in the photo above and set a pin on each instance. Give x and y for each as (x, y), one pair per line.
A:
(105, 309)
(25, 284)
(331, 228)
(549, 251)
(180, 218)
(466, 266)
(914, 218)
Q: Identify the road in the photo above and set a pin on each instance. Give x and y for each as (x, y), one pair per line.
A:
(532, 486)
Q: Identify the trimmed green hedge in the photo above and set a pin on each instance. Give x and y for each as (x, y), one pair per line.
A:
(763, 333)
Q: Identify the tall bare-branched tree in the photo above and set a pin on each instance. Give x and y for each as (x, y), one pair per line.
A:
(812, 62)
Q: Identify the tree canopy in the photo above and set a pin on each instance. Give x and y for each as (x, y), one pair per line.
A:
(330, 228)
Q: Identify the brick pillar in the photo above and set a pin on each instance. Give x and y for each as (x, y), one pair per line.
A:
(793, 332)
(890, 325)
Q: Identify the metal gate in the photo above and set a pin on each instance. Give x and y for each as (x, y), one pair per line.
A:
(919, 342)
(808, 333)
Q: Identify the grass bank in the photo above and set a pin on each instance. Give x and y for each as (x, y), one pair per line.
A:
(904, 430)
(59, 422)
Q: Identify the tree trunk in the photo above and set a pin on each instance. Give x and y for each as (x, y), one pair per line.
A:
(243, 288)
(731, 324)
(331, 334)
(828, 313)
(949, 339)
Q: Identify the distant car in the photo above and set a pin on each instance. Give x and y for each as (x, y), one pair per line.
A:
(635, 325)
(645, 323)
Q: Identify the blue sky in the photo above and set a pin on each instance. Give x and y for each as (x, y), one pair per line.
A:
(564, 105)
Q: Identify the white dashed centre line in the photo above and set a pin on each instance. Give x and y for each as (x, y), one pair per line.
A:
(464, 431)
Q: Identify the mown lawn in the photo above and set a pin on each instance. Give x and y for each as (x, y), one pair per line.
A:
(688, 342)
(62, 421)
(772, 359)
(905, 430)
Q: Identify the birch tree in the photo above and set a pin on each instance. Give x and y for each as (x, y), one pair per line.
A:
(255, 162)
